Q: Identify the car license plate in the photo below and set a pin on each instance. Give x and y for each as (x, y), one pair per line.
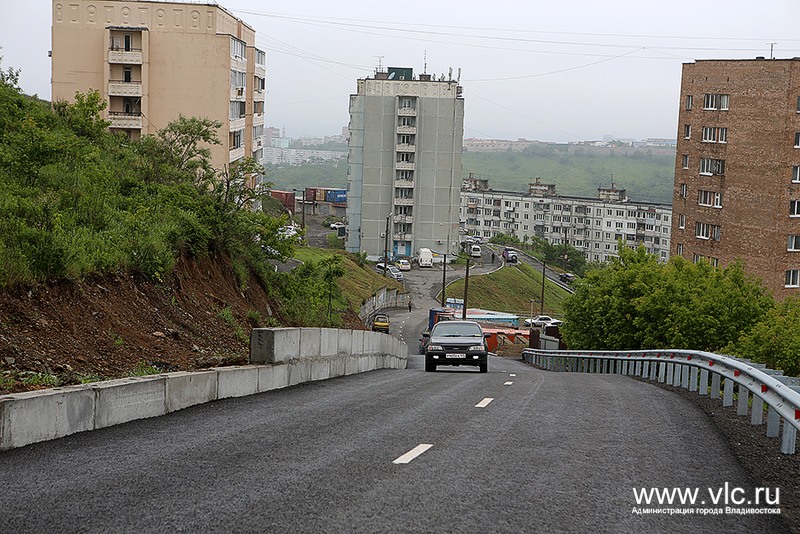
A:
(457, 355)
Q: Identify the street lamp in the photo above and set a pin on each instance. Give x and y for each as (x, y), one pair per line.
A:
(466, 290)
(386, 245)
(303, 202)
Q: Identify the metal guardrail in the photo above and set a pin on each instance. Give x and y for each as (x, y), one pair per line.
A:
(692, 370)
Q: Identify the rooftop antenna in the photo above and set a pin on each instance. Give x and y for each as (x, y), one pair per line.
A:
(770, 50)
(425, 62)
(459, 75)
(380, 62)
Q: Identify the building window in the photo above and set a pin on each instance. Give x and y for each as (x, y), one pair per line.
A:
(238, 48)
(689, 100)
(238, 81)
(702, 230)
(712, 166)
(797, 140)
(236, 139)
(679, 249)
(794, 243)
(261, 57)
(683, 191)
(716, 101)
(681, 221)
(685, 161)
(709, 198)
(713, 134)
(793, 278)
(794, 208)
(687, 131)
(237, 109)
(796, 174)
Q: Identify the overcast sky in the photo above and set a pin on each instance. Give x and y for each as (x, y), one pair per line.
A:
(553, 71)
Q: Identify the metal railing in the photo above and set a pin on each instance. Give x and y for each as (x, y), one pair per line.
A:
(693, 370)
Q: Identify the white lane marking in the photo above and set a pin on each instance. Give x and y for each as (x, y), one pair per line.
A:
(508, 383)
(512, 374)
(485, 402)
(413, 453)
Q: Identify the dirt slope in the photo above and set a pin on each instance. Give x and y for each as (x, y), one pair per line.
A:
(110, 326)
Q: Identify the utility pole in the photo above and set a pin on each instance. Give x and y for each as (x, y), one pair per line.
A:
(444, 280)
(544, 275)
(386, 246)
(305, 196)
(466, 289)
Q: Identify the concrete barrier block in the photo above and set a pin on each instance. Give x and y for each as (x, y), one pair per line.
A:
(273, 377)
(237, 381)
(310, 341)
(338, 366)
(320, 369)
(35, 416)
(299, 372)
(351, 365)
(345, 342)
(357, 337)
(187, 388)
(128, 399)
(329, 342)
(274, 345)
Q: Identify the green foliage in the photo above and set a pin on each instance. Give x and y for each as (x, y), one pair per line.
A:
(775, 340)
(636, 303)
(144, 369)
(32, 378)
(83, 116)
(226, 314)
(254, 318)
(312, 294)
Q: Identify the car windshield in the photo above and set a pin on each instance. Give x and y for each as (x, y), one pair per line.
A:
(456, 330)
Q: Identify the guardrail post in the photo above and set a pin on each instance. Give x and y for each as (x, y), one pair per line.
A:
(715, 384)
(693, 379)
(670, 373)
(676, 380)
(684, 376)
(653, 370)
(744, 398)
(757, 416)
(789, 437)
(605, 366)
(662, 371)
(727, 395)
(703, 382)
(645, 369)
(773, 423)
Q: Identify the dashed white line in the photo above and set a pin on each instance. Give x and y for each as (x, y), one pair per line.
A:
(485, 402)
(512, 374)
(508, 383)
(413, 453)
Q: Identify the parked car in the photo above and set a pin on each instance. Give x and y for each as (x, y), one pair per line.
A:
(391, 271)
(510, 254)
(475, 251)
(380, 323)
(542, 320)
(567, 278)
(403, 265)
(337, 225)
(456, 343)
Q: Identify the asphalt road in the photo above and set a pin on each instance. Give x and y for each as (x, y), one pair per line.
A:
(549, 452)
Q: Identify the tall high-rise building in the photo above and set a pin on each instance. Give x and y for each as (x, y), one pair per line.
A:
(737, 170)
(404, 164)
(152, 61)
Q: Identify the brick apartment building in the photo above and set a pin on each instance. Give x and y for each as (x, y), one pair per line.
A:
(737, 170)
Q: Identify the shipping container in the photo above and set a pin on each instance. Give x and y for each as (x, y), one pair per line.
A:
(311, 194)
(320, 195)
(286, 198)
(336, 195)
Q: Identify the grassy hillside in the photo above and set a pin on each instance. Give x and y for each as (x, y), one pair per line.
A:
(646, 174)
(511, 289)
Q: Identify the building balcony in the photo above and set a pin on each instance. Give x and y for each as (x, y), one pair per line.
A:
(236, 124)
(125, 121)
(401, 218)
(411, 130)
(122, 88)
(404, 183)
(403, 201)
(407, 112)
(236, 154)
(405, 147)
(238, 93)
(404, 166)
(402, 237)
(125, 57)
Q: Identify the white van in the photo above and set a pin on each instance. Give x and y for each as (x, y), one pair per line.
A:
(425, 258)
(475, 251)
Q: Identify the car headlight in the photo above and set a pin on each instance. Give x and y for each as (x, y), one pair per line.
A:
(435, 347)
(477, 347)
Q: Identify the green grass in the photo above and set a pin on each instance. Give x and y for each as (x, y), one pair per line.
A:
(511, 289)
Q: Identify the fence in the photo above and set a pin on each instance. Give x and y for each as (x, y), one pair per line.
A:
(693, 370)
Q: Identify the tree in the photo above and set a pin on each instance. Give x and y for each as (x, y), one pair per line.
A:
(636, 303)
(83, 116)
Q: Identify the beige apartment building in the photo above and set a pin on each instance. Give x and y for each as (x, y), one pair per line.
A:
(153, 60)
(737, 169)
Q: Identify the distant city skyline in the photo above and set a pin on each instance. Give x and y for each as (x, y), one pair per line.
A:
(572, 72)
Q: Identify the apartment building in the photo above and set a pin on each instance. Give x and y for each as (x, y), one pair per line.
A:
(404, 163)
(737, 168)
(154, 60)
(594, 226)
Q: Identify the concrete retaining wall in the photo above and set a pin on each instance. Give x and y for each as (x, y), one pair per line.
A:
(280, 357)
